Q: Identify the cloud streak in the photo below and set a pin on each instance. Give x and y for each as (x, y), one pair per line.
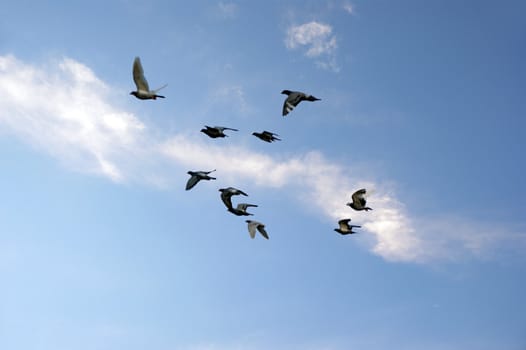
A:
(319, 41)
(63, 109)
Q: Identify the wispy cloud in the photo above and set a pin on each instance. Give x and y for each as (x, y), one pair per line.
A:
(348, 7)
(318, 40)
(62, 108)
(233, 95)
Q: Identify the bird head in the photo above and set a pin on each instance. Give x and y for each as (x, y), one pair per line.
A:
(286, 92)
(134, 93)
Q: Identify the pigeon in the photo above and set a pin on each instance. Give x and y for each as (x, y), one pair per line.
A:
(253, 225)
(241, 209)
(294, 98)
(227, 193)
(358, 201)
(216, 131)
(196, 176)
(143, 90)
(345, 228)
(266, 136)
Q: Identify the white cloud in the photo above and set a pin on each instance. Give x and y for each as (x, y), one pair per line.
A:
(316, 36)
(318, 40)
(65, 110)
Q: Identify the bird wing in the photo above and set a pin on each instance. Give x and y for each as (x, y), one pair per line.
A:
(192, 181)
(357, 197)
(252, 228)
(287, 107)
(261, 229)
(223, 128)
(225, 197)
(162, 87)
(344, 224)
(292, 101)
(138, 75)
(268, 133)
(244, 206)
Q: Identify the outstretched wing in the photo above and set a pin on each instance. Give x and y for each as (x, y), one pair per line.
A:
(192, 182)
(222, 128)
(252, 228)
(292, 101)
(244, 206)
(162, 87)
(261, 229)
(225, 197)
(358, 196)
(344, 224)
(138, 75)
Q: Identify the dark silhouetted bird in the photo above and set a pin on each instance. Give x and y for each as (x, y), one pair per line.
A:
(197, 176)
(294, 98)
(241, 209)
(227, 193)
(345, 228)
(266, 136)
(143, 90)
(253, 225)
(358, 201)
(216, 131)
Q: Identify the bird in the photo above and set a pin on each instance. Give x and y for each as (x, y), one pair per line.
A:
(266, 136)
(143, 90)
(241, 209)
(358, 201)
(227, 193)
(294, 98)
(216, 131)
(197, 176)
(253, 225)
(345, 228)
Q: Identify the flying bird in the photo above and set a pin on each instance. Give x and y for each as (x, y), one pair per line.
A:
(294, 98)
(345, 228)
(196, 176)
(241, 209)
(143, 90)
(227, 193)
(358, 200)
(266, 136)
(216, 131)
(253, 225)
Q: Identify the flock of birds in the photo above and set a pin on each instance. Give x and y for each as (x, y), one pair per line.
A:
(143, 92)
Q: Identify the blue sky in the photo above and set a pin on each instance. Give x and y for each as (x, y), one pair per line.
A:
(422, 104)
